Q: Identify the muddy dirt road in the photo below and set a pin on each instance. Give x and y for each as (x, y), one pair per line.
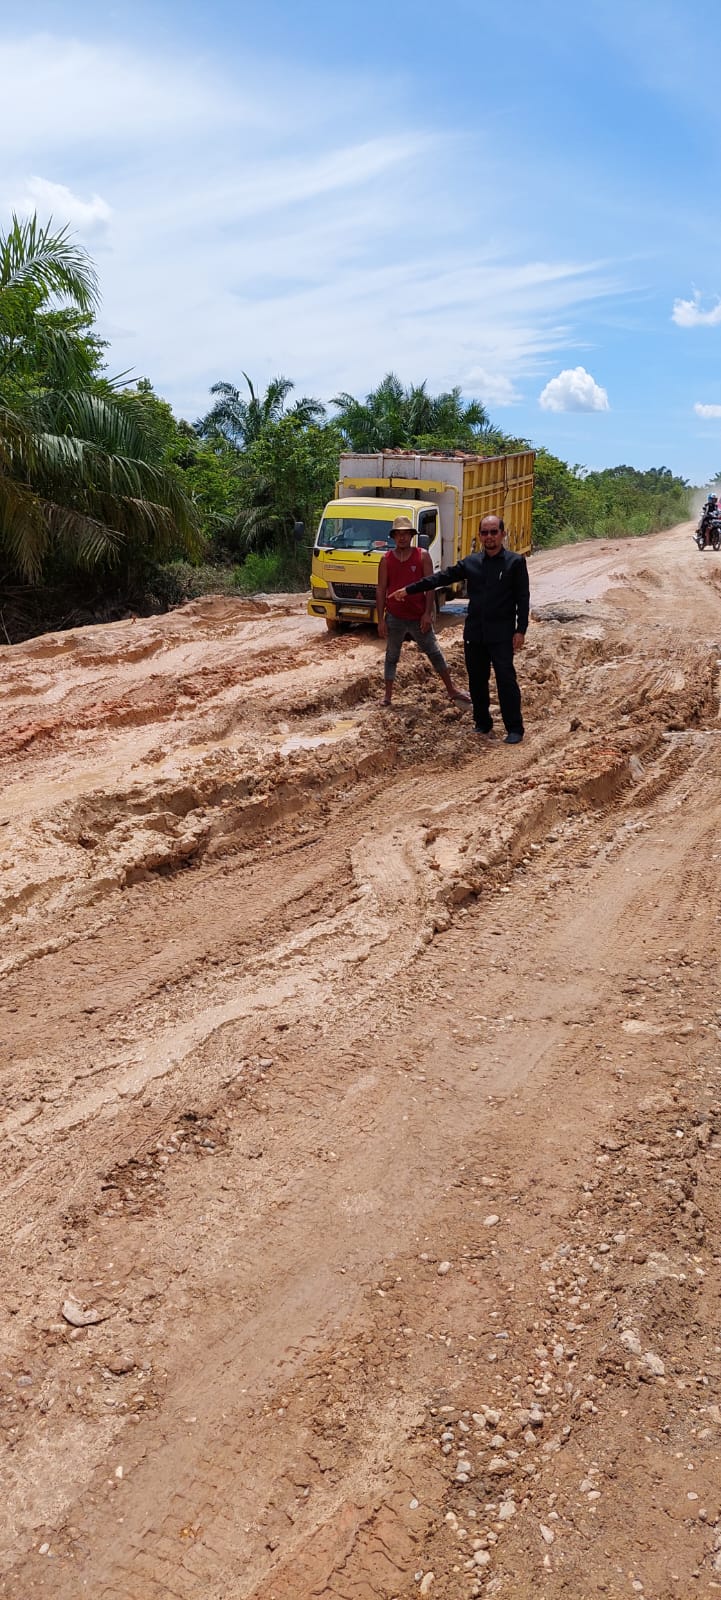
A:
(361, 1110)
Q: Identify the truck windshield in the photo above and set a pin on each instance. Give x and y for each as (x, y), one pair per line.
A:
(355, 533)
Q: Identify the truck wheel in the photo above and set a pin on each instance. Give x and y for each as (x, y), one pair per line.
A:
(331, 624)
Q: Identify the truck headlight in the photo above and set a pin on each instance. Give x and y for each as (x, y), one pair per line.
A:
(320, 591)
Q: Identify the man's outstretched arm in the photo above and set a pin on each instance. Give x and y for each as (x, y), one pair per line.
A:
(436, 580)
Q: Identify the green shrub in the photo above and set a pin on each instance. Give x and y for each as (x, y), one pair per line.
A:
(263, 572)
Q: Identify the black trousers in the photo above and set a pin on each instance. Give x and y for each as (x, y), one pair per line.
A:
(479, 660)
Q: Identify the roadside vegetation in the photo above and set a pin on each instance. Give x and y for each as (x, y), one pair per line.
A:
(108, 502)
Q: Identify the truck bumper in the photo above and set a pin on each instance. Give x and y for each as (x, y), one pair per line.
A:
(342, 611)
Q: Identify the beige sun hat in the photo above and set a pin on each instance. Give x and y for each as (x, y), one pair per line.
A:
(402, 525)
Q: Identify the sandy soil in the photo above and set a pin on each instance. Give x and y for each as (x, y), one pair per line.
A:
(362, 1106)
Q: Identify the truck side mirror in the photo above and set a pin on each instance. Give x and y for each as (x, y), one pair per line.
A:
(298, 532)
(424, 541)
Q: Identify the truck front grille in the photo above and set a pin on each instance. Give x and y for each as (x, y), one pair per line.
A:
(354, 591)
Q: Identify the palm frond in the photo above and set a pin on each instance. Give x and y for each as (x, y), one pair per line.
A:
(228, 417)
(80, 467)
(64, 360)
(23, 527)
(37, 263)
(256, 524)
(308, 410)
(111, 424)
(276, 395)
(87, 540)
(61, 489)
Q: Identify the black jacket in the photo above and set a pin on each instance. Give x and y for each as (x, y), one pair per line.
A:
(498, 594)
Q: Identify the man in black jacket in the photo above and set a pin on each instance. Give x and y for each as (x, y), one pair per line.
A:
(495, 630)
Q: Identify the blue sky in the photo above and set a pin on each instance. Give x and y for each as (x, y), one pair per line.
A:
(521, 199)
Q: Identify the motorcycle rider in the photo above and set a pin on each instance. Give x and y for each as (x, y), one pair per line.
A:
(710, 511)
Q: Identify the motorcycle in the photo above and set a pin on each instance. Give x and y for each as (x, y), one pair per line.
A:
(708, 532)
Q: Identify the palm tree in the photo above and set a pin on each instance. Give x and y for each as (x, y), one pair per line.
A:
(452, 414)
(77, 468)
(392, 417)
(240, 422)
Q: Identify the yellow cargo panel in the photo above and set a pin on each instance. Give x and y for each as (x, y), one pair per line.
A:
(499, 486)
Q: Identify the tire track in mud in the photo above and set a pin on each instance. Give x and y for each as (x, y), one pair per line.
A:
(317, 1195)
(597, 778)
(342, 1448)
(160, 829)
(350, 1565)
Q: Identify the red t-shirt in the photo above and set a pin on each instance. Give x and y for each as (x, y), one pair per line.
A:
(401, 573)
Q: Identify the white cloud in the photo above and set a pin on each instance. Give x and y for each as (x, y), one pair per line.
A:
(289, 180)
(241, 229)
(573, 390)
(688, 313)
(57, 201)
(707, 411)
(493, 388)
(63, 93)
(335, 323)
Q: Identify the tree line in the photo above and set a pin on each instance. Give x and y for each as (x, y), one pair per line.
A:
(109, 501)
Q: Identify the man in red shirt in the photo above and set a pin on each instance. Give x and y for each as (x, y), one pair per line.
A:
(410, 615)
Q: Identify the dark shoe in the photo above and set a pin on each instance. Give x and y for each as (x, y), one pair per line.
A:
(484, 733)
(513, 738)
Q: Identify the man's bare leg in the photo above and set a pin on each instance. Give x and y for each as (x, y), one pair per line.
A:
(453, 692)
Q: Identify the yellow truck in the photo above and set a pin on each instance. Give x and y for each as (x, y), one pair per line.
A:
(445, 497)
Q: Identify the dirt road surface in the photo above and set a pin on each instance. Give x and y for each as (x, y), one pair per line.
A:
(362, 1106)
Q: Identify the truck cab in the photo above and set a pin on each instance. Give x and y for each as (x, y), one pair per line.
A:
(353, 536)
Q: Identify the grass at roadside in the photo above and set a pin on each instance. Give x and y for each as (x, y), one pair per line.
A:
(274, 571)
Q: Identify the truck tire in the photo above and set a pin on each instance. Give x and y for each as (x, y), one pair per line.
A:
(334, 625)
